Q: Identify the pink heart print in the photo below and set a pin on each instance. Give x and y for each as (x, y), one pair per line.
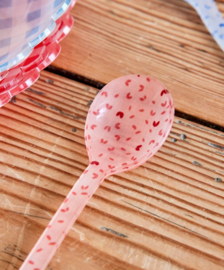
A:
(130, 128)
(127, 123)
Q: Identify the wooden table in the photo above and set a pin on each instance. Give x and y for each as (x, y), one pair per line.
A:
(165, 215)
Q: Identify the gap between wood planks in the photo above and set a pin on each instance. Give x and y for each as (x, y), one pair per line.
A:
(99, 85)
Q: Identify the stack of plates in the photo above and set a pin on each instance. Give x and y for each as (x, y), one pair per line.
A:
(29, 37)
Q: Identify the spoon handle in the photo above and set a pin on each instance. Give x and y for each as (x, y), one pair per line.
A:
(63, 220)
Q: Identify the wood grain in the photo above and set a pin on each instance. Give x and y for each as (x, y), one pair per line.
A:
(166, 214)
(165, 39)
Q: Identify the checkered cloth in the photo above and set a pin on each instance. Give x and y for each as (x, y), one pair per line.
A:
(24, 24)
(210, 15)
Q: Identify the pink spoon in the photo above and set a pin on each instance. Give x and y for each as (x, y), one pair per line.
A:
(127, 123)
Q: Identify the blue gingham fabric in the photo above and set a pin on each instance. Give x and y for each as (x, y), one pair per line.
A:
(210, 15)
(24, 24)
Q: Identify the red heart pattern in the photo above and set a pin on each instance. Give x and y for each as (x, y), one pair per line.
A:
(121, 114)
(95, 163)
(164, 91)
(108, 106)
(138, 147)
(141, 88)
(117, 137)
(152, 113)
(93, 126)
(126, 126)
(104, 93)
(155, 124)
(107, 128)
(84, 187)
(130, 117)
(117, 126)
(95, 175)
(164, 104)
(143, 98)
(97, 112)
(127, 82)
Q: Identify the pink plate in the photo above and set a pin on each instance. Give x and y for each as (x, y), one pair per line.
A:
(53, 50)
(14, 77)
(29, 78)
(3, 75)
(38, 55)
(5, 98)
(26, 73)
(63, 27)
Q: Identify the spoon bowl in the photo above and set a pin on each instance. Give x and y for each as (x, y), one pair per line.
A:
(127, 123)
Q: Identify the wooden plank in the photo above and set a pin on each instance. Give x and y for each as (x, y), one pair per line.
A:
(166, 214)
(165, 39)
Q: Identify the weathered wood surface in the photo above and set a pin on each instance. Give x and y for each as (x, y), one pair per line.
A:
(165, 39)
(166, 214)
